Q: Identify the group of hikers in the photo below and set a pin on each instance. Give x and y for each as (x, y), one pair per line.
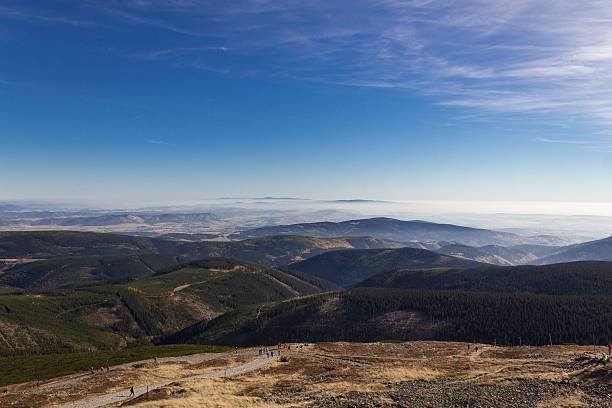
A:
(269, 352)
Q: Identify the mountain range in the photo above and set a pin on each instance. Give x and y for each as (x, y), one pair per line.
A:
(401, 231)
(599, 250)
(70, 259)
(71, 291)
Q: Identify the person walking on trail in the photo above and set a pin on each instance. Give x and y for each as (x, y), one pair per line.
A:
(609, 349)
(131, 391)
(236, 349)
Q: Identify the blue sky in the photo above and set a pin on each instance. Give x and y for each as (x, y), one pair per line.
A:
(144, 100)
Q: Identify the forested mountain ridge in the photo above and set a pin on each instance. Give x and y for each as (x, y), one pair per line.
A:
(112, 316)
(73, 272)
(575, 278)
(96, 291)
(374, 314)
(50, 244)
(84, 258)
(349, 267)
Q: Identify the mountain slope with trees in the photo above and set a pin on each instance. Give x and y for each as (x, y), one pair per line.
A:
(349, 267)
(374, 314)
(83, 258)
(576, 278)
(114, 316)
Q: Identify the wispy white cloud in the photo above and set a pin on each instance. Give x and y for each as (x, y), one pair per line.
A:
(599, 146)
(563, 141)
(541, 58)
(169, 53)
(23, 14)
(160, 142)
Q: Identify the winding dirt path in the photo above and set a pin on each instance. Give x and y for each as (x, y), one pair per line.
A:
(124, 395)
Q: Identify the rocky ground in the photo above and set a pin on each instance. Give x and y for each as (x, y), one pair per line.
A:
(413, 374)
(430, 374)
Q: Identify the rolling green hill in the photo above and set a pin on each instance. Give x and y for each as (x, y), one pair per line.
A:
(576, 278)
(269, 250)
(284, 249)
(80, 258)
(49, 244)
(349, 267)
(86, 270)
(223, 284)
(374, 314)
(113, 316)
(63, 322)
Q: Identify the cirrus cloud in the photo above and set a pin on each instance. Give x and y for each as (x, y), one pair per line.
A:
(551, 58)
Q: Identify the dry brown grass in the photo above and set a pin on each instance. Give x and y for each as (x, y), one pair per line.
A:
(331, 370)
(212, 393)
(397, 374)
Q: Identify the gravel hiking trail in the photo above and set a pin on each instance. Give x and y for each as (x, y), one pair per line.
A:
(123, 395)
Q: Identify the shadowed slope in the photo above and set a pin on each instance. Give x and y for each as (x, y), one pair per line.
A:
(347, 268)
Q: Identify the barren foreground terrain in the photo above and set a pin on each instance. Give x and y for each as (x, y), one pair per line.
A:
(413, 374)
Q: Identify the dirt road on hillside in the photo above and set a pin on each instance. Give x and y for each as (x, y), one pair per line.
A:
(112, 386)
(123, 395)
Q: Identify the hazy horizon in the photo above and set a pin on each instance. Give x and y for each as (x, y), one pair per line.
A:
(369, 204)
(576, 222)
